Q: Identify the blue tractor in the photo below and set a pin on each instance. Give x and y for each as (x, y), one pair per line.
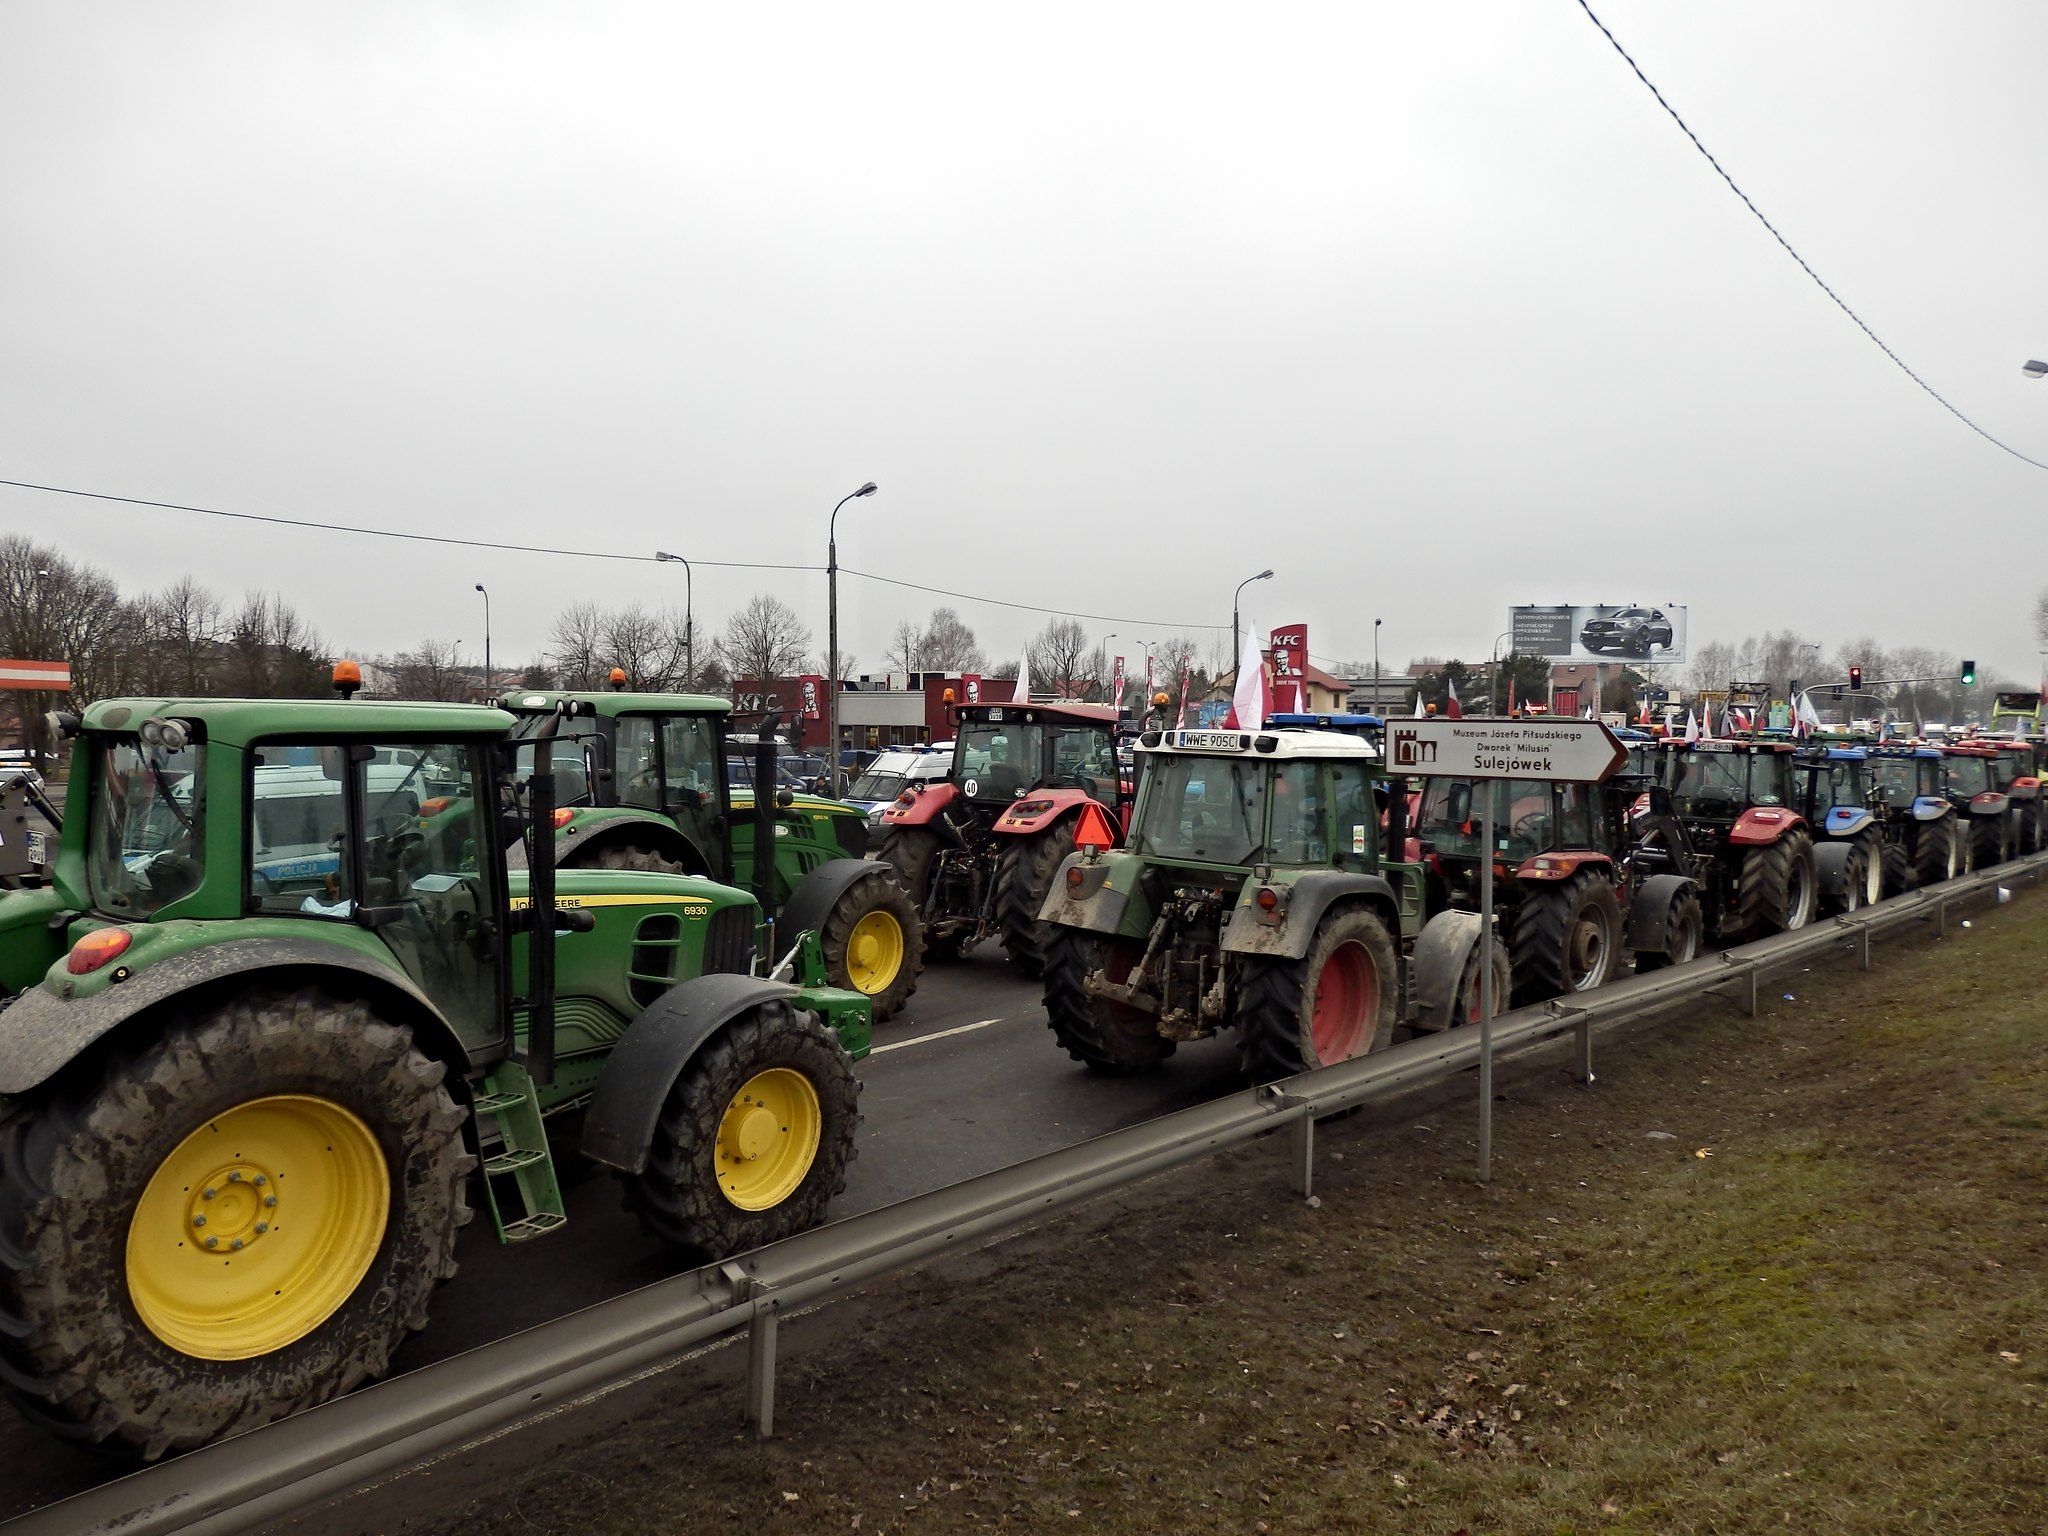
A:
(1851, 847)
(1906, 791)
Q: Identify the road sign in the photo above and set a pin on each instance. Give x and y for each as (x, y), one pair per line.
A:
(1581, 751)
(37, 675)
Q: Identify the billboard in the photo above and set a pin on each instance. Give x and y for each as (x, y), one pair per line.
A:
(1637, 633)
(1288, 651)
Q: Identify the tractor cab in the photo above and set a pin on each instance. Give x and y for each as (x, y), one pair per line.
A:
(1717, 783)
(1370, 728)
(2015, 714)
(1972, 780)
(1834, 789)
(1003, 751)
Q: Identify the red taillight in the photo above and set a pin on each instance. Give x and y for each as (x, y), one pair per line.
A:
(1267, 898)
(1073, 879)
(564, 816)
(435, 806)
(96, 949)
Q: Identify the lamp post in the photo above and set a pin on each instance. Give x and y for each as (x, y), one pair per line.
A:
(689, 617)
(1118, 702)
(487, 640)
(832, 638)
(1233, 612)
(2034, 370)
(1378, 707)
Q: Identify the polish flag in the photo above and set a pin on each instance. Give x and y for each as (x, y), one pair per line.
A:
(1252, 699)
(1453, 709)
(1806, 719)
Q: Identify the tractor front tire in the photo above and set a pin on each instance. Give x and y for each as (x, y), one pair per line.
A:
(1103, 1035)
(1937, 851)
(873, 942)
(627, 856)
(1774, 891)
(1024, 876)
(240, 1219)
(1567, 938)
(1685, 930)
(753, 1140)
(1338, 1001)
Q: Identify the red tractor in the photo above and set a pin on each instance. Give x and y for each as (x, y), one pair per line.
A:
(2017, 771)
(1972, 777)
(977, 850)
(1752, 850)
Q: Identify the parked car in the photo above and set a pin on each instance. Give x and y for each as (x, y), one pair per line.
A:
(1627, 632)
(890, 774)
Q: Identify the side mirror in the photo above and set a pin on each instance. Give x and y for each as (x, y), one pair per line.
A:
(1459, 802)
(785, 797)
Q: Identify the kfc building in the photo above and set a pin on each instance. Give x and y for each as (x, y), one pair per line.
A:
(896, 710)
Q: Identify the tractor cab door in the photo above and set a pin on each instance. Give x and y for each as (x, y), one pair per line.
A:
(1083, 758)
(693, 787)
(360, 840)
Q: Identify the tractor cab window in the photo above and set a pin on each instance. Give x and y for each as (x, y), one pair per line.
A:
(1894, 780)
(1968, 775)
(1710, 784)
(144, 848)
(1084, 757)
(1575, 827)
(574, 752)
(636, 767)
(1207, 808)
(1453, 811)
(1770, 778)
(1299, 830)
(1357, 816)
(999, 759)
(690, 761)
(1837, 783)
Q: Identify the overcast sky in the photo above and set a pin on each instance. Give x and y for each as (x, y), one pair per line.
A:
(1429, 307)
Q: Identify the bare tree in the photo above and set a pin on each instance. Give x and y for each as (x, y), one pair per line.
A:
(1064, 663)
(949, 644)
(764, 640)
(647, 646)
(429, 671)
(52, 609)
(2041, 619)
(186, 628)
(906, 648)
(576, 646)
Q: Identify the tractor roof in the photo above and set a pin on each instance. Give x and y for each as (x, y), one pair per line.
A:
(1814, 757)
(1328, 722)
(1287, 744)
(1082, 714)
(237, 722)
(1727, 744)
(1970, 749)
(1903, 750)
(606, 702)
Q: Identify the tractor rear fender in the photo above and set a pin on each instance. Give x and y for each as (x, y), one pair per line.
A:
(2024, 789)
(619, 1126)
(1040, 809)
(1761, 825)
(1100, 901)
(1990, 803)
(811, 902)
(1438, 964)
(926, 801)
(47, 1031)
(1649, 912)
(1931, 808)
(1848, 821)
(1831, 864)
(631, 826)
(1305, 899)
(1562, 866)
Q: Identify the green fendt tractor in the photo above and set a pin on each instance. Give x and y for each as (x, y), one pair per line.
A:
(1251, 895)
(643, 783)
(283, 1013)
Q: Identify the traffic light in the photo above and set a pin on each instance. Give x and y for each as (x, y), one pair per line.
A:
(1969, 674)
(1856, 679)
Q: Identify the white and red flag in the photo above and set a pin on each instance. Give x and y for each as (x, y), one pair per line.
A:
(1252, 699)
(1692, 726)
(1454, 709)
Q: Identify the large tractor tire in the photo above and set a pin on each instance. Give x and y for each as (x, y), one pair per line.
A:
(1103, 1035)
(1024, 876)
(1775, 888)
(873, 942)
(1937, 851)
(1338, 1001)
(1862, 881)
(1567, 938)
(911, 850)
(1685, 932)
(1896, 867)
(1989, 841)
(241, 1219)
(754, 1138)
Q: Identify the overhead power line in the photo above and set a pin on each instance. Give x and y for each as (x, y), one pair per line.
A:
(579, 554)
(1804, 265)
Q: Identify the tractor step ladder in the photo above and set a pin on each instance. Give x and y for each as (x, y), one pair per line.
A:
(514, 1145)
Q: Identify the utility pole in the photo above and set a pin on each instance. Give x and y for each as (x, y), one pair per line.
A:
(488, 694)
(832, 640)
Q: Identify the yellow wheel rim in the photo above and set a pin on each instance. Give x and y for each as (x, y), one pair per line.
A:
(257, 1227)
(768, 1139)
(874, 952)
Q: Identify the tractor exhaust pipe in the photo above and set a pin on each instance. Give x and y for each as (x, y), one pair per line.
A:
(539, 1056)
(765, 795)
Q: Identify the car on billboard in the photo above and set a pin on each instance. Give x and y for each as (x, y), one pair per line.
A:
(1626, 632)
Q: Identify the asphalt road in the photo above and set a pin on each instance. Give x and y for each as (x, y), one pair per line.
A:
(965, 1080)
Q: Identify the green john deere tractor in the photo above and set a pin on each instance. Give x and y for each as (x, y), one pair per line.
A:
(644, 782)
(283, 1013)
(1252, 896)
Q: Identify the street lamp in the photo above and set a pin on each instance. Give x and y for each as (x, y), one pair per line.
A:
(832, 638)
(1233, 612)
(2034, 370)
(689, 617)
(487, 640)
(1376, 705)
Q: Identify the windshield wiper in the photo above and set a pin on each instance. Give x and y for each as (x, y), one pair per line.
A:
(156, 772)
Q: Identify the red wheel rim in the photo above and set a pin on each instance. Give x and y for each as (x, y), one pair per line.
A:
(1347, 1005)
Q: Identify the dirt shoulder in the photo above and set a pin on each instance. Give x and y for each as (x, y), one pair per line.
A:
(1785, 1272)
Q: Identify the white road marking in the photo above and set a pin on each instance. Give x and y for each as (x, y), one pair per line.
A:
(937, 1034)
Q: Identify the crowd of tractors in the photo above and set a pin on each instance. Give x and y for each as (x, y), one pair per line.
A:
(293, 987)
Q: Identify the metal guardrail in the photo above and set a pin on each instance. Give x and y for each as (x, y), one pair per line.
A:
(284, 1468)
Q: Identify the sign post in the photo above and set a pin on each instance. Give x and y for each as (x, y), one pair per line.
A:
(1577, 751)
